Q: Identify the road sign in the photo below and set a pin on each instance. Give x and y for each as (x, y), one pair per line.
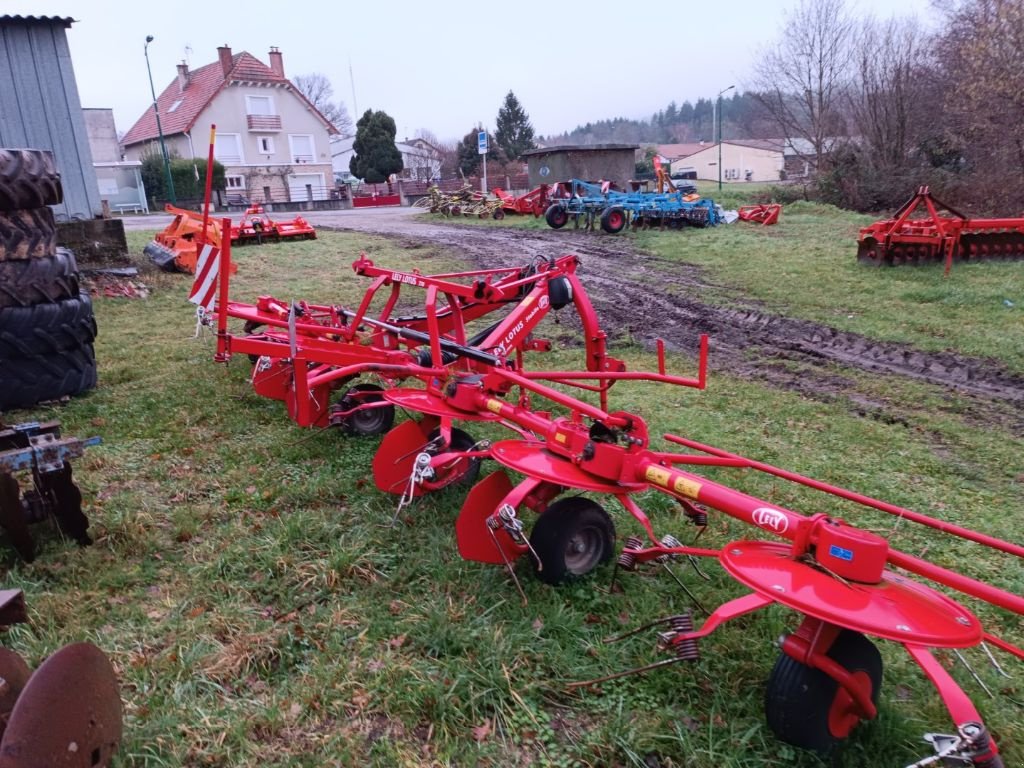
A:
(481, 142)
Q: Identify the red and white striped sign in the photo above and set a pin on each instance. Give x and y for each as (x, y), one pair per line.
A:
(204, 289)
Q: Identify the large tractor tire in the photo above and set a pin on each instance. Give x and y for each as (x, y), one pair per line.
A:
(46, 329)
(556, 216)
(28, 179)
(613, 220)
(26, 282)
(27, 234)
(23, 383)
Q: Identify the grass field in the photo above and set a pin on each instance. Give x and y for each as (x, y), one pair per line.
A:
(261, 611)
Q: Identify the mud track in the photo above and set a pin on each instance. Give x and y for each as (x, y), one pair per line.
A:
(642, 297)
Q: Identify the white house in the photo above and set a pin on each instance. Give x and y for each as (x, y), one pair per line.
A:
(421, 160)
(273, 143)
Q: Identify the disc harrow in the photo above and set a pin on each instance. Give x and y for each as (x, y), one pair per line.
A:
(931, 238)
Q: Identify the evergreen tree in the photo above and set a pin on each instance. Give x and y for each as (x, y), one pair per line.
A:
(376, 156)
(469, 154)
(513, 132)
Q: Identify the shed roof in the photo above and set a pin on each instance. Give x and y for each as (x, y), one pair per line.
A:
(578, 148)
(203, 85)
(65, 21)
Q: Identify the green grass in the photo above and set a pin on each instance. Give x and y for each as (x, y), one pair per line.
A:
(260, 609)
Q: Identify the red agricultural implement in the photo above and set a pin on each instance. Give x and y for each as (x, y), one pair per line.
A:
(761, 214)
(932, 237)
(176, 249)
(303, 352)
(533, 202)
(847, 583)
(256, 226)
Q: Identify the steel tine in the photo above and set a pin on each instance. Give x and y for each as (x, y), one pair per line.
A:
(693, 597)
(626, 673)
(508, 565)
(974, 674)
(995, 663)
(636, 630)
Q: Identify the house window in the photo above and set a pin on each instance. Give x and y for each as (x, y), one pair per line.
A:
(227, 148)
(266, 145)
(301, 145)
(234, 183)
(259, 105)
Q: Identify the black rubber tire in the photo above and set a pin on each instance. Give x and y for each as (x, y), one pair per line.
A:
(26, 282)
(613, 220)
(559, 292)
(24, 383)
(572, 537)
(45, 329)
(461, 441)
(374, 421)
(498, 215)
(798, 697)
(28, 179)
(556, 216)
(27, 234)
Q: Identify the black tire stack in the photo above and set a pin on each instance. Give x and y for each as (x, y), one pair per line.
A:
(47, 326)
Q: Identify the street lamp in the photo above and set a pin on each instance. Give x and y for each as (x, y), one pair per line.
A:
(720, 134)
(159, 129)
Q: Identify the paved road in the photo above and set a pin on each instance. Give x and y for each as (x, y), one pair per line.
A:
(368, 219)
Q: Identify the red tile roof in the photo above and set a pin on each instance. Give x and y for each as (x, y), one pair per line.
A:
(203, 85)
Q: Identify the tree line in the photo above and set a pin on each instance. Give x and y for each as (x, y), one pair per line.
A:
(878, 107)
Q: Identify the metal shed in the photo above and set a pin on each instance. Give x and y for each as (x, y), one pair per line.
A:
(590, 162)
(40, 108)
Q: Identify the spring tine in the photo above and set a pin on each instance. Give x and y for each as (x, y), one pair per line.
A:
(617, 675)
(995, 663)
(693, 597)
(508, 565)
(694, 562)
(974, 674)
(636, 630)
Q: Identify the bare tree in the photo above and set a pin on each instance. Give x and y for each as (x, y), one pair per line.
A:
(800, 82)
(318, 89)
(888, 100)
(981, 65)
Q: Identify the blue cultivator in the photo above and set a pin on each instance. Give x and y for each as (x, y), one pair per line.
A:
(614, 210)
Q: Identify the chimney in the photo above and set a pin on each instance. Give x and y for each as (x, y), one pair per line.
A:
(225, 59)
(276, 62)
(182, 76)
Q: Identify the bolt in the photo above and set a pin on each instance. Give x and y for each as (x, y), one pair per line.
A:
(902, 627)
(72, 746)
(735, 551)
(963, 620)
(778, 588)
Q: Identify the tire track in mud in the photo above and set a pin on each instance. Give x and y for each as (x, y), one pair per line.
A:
(648, 297)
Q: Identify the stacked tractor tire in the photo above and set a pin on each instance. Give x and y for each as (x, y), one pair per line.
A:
(47, 326)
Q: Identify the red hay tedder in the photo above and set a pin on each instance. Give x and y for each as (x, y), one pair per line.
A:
(846, 583)
(533, 202)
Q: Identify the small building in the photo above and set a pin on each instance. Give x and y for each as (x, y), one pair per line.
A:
(40, 108)
(120, 181)
(754, 160)
(590, 162)
(271, 140)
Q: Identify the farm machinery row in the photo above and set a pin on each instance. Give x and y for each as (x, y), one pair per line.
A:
(463, 202)
(846, 582)
(176, 248)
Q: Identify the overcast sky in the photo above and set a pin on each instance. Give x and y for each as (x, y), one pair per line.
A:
(443, 66)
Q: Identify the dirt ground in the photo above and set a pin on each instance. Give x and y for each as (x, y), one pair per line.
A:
(662, 298)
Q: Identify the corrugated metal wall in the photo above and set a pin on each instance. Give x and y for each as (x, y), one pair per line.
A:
(39, 106)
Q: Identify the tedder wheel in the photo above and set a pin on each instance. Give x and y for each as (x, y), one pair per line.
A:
(572, 537)
(498, 214)
(613, 220)
(465, 471)
(556, 216)
(369, 421)
(807, 708)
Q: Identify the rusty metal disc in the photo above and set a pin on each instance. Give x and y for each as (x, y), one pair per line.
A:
(68, 715)
(14, 674)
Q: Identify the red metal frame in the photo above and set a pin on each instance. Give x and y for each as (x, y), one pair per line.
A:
(904, 238)
(765, 215)
(533, 202)
(256, 226)
(812, 574)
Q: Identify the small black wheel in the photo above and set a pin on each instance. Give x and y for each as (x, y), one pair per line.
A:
(613, 220)
(464, 470)
(571, 538)
(807, 708)
(369, 421)
(498, 214)
(556, 216)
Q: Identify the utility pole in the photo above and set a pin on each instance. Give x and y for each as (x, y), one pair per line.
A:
(720, 134)
(159, 129)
